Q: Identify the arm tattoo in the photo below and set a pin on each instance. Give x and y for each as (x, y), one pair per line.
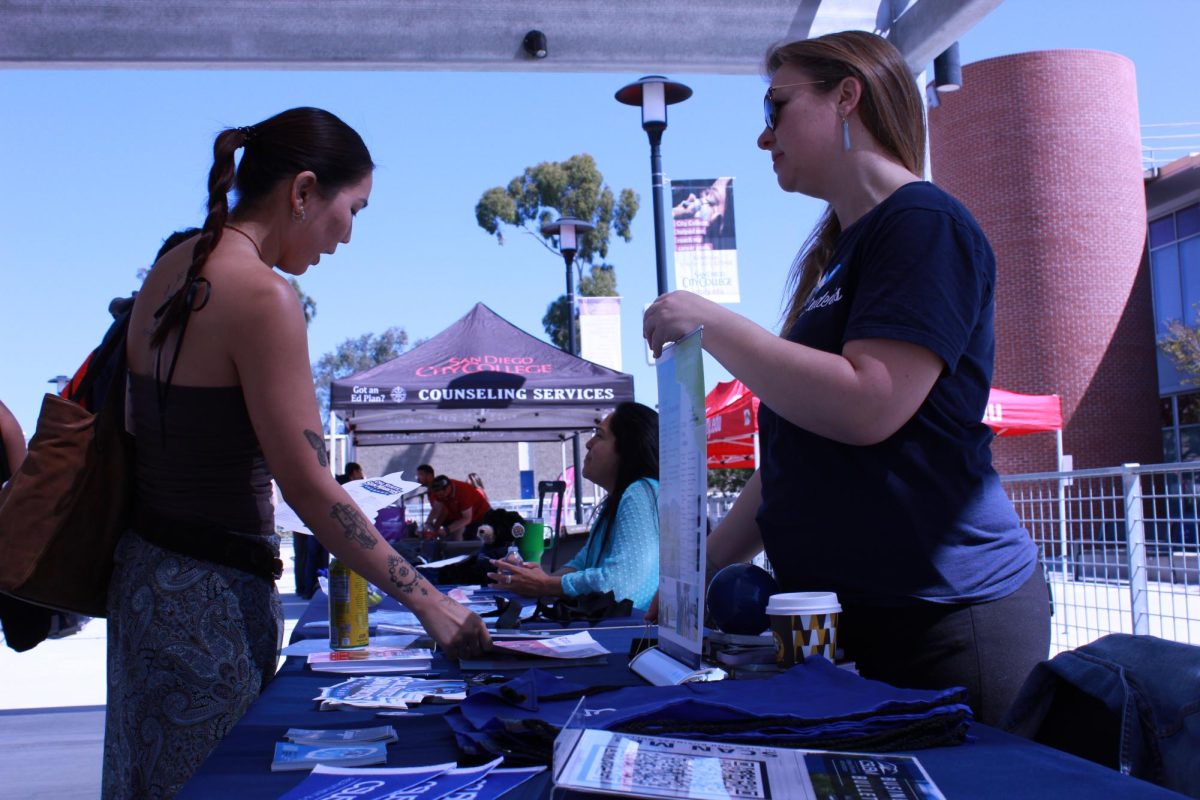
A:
(404, 577)
(353, 525)
(317, 441)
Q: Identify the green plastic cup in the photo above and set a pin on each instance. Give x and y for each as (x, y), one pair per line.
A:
(533, 543)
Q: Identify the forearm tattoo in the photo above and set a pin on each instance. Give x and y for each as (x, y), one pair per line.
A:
(354, 527)
(404, 577)
(317, 441)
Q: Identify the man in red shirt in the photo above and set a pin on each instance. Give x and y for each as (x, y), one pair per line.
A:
(460, 507)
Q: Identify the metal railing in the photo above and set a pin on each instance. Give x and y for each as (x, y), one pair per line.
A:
(1163, 143)
(1120, 548)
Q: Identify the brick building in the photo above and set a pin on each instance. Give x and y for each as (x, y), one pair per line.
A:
(1044, 149)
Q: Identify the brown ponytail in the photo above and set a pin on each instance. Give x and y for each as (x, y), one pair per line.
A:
(220, 181)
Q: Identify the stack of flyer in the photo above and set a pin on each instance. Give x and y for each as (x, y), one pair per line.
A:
(380, 733)
(372, 660)
(395, 693)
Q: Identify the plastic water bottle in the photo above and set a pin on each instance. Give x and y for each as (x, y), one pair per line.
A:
(513, 556)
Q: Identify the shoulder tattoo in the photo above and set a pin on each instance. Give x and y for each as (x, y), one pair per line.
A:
(317, 442)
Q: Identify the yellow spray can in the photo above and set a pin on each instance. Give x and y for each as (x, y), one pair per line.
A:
(347, 608)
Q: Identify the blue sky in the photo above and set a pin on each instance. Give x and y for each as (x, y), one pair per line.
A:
(101, 165)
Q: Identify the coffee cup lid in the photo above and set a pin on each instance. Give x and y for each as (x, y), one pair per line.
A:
(803, 603)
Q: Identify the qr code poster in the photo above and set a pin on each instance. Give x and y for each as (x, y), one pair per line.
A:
(642, 772)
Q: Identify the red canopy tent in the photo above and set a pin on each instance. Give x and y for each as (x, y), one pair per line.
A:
(1012, 414)
(731, 415)
(731, 412)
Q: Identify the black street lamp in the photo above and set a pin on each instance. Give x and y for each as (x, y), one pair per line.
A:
(568, 229)
(654, 93)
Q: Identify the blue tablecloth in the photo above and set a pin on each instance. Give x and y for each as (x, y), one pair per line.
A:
(995, 765)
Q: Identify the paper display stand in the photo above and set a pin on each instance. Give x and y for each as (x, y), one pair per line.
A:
(682, 515)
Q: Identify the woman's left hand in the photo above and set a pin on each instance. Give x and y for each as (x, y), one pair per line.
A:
(527, 580)
(673, 316)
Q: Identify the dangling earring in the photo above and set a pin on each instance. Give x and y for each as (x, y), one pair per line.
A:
(298, 214)
(845, 135)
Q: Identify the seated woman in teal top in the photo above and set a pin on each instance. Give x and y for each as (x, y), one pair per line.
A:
(621, 553)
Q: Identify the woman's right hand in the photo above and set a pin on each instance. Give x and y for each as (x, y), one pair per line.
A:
(457, 630)
(674, 315)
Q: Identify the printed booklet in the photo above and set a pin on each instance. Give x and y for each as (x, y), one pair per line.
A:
(289, 755)
(605, 762)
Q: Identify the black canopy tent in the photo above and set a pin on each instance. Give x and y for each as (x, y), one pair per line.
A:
(480, 380)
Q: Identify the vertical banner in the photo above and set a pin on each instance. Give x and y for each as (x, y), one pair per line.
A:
(705, 245)
(600, 330)
(682, 500)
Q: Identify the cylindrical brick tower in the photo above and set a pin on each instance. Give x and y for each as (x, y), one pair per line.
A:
(1044, 149)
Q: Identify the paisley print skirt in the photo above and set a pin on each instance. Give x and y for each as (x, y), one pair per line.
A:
(190, 646)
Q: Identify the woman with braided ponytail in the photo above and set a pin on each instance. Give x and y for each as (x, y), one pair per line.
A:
(220, 386)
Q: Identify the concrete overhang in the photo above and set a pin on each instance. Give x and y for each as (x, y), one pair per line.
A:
(713, 36)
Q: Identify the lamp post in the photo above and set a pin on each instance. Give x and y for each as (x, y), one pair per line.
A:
(567, 229)
(654, 93)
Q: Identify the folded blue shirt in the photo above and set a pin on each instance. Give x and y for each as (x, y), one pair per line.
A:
(813, 701)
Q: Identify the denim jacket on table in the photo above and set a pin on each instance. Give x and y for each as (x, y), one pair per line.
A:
(1129, 702)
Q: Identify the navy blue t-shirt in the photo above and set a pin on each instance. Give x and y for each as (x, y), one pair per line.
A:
(922, 514)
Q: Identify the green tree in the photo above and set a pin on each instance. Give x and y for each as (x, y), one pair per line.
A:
(355, 355)
(728, 480)
(553, 189)
(306, 302)
(1181, 344)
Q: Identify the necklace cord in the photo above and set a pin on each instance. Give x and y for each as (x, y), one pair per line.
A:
(250, 239)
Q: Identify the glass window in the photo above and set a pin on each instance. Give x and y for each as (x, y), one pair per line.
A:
(1187, 255)
(1189, 408)
(1170, 446)
(1168, 305)
(1162, 231)
(1189, 443)
(1187, 221)
(1165, 415)
(1170, 380)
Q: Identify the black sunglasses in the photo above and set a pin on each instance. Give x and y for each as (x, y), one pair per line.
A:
(771, 106)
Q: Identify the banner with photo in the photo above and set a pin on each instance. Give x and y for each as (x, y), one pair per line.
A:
(600, 330)
(705, 244)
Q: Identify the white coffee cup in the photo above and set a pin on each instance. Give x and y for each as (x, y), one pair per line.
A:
(803, 624)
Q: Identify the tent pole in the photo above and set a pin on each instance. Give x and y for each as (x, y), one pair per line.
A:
(578, 480)
(1062, 511)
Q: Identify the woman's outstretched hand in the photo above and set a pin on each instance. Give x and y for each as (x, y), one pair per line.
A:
(460, 632)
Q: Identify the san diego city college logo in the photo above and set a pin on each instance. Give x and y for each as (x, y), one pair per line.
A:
(398, 394)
